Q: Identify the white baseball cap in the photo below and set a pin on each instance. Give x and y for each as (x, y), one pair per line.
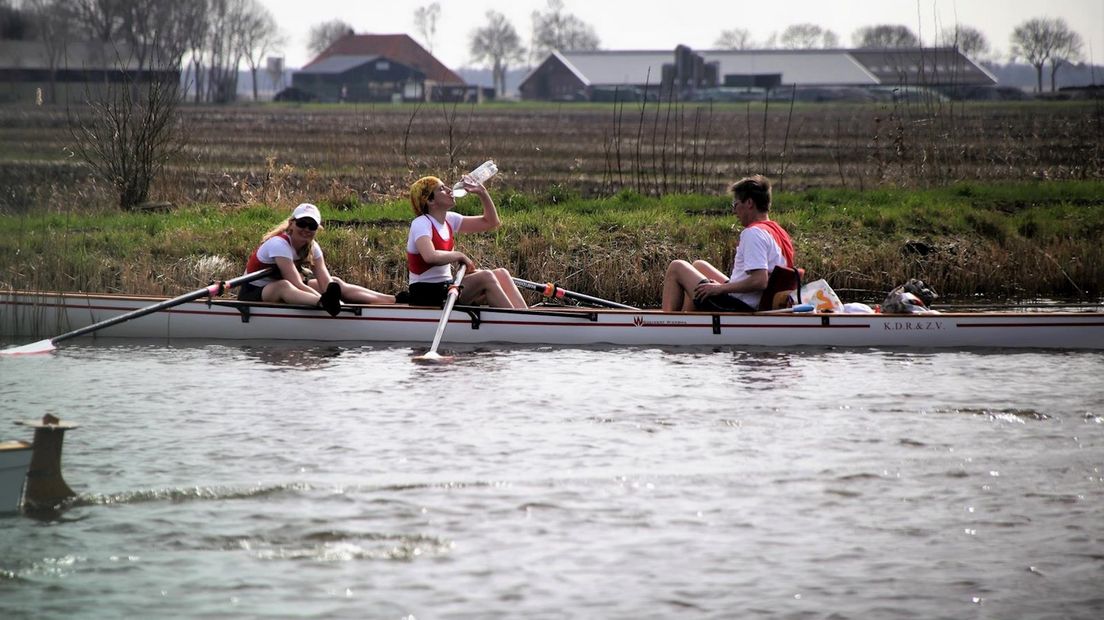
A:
(307, 210)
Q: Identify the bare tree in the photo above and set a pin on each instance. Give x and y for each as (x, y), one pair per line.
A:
(557, 30)
(807, 36)
(884, 36)
(735, 39)
(425, 20)
(196, 31)
(128, 133)
(15, 23)
(53, 22)
(102, 19)
(224, 49)
(325, 34)
(968, 40)
(1068, 51)
(155, 32)
(497, 43)
(260, 35)
(1035, 41)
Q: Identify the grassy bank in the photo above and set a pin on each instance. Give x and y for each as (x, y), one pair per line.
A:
(1015, 241)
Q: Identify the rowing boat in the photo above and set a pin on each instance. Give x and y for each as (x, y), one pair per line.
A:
(15, 458)
(30, 473)
(32, 314)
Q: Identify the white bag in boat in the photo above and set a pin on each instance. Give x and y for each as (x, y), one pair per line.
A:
(856, 307)
(821, 296)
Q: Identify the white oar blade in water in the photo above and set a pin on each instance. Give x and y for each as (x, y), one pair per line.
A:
(42, 346)
(433, 357)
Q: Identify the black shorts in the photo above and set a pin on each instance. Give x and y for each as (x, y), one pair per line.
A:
(722, 303)
(428, 293)
(248, 292)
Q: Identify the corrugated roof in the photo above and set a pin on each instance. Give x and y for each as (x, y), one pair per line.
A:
(805, 67)
(938, 65)
(76, 55)
(833, 67)
(631, 67)
(398, 47)
(801, 67)
(337, 64)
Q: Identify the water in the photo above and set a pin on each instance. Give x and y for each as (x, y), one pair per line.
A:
(299, 480)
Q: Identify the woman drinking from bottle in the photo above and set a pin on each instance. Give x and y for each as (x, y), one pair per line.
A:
(430, 248)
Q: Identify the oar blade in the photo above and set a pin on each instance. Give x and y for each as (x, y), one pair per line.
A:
(35, 348)
(432, 357)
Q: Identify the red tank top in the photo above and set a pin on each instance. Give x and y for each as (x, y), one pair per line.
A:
(781, 237)
(255, 264)
(414, 261)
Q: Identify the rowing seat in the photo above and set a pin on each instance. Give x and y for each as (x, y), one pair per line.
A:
(781, 283)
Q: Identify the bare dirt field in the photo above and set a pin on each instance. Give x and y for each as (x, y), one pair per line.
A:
(364, 153)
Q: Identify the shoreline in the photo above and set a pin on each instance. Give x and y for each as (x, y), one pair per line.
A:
(968, 241)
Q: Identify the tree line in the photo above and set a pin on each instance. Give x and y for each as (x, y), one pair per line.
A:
(207, 40)
(1040, 42)
(496, 43)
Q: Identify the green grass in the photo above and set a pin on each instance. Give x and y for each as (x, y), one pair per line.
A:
(1044, 236)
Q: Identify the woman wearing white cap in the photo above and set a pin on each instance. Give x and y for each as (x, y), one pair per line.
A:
(289, 246)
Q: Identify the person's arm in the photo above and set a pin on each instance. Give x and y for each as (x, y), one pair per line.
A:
(320, 272)
(756, 280)
(433, 256)
(291, 274)
(754, 246)
(489, 220)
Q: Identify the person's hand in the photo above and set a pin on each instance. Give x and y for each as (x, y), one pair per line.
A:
(469, 263)
(472, 186)
(706, 289)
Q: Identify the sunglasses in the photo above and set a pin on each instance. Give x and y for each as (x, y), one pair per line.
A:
(306, 222)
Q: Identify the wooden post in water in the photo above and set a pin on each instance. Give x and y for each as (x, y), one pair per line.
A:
(45, 487)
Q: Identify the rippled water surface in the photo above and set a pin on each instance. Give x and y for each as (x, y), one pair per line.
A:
(298, 480)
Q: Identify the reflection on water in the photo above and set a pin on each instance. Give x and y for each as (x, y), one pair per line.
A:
(551, 482)
(765, 369)
(281, 355)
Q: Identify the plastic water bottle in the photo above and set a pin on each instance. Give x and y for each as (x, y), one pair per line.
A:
(479, 175)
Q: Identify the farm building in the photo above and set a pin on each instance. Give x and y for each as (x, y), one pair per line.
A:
(379, 67)
(35, 71)
(596, 75)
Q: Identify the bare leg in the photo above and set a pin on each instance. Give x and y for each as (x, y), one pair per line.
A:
(282, 291)
(710, 271)
(354, 294)
(679, 283)
(483, 287)
(506, 282)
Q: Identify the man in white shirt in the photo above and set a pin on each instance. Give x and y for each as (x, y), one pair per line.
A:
(763, 246)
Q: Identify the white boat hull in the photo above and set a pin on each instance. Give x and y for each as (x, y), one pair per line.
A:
(15, 458)
(41, 315)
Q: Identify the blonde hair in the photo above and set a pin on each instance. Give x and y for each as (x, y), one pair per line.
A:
(282, 228)
(420, 191)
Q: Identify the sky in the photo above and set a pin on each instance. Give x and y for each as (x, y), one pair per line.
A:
(663, 24)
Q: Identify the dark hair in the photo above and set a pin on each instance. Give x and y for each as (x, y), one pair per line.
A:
(757, 187)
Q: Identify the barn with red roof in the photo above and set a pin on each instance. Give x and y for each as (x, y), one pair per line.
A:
(379, 67)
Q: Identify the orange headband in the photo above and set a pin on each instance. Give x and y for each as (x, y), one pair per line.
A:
(420, 191)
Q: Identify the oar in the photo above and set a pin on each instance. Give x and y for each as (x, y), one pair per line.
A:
(214, 290)
(453, 293)
(551, 290)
